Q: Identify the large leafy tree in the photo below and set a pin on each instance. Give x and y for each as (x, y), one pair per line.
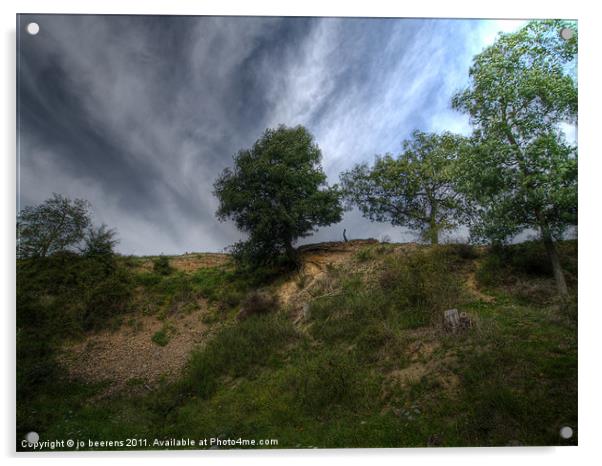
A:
(414, 190)
(57, 224)
(276, 193)
(520, 171)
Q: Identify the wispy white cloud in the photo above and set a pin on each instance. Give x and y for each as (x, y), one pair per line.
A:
(411, 73)
(139, 115)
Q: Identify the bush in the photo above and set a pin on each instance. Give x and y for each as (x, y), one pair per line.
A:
(422, 284)
(148, 279)
(506, 264)
(463, 250)
(531, 259)
(343, 317)
(365, 254)
(100, 241)
(66, 293)
(161, 265)
(229, 298)
(177, 287)
(528, 258)
(326, 379)
(408, 293)
(59, 296)
(236, 350)
(36, 364)
(217, 285)
(106, 299)
(375, 338)
(257, 303)
(211, 282)
(161, 337)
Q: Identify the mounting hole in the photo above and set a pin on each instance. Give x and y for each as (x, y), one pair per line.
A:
(32, 437)
(566, 432)
(567, 33)
(33, 28)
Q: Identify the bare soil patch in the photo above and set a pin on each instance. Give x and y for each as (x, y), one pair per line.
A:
(473, 287)
(128, 357)
(426, 361)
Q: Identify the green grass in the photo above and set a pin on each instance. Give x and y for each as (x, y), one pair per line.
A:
(328, 383)
(239, 350)
(161, 337)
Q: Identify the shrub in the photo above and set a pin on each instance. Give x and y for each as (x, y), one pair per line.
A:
(67, 293)
(257, 303)
(161, 337)
(161, 265)
(463, 250)
(326, 379)
(222, 286)
(507, 264)
(36, 363)
(529, 258)
(100, 241)
(147, 279)
(344, 316)
(178, 287)
(421, 284)
(106, 299)
(364, 255)
(236, 350)
(409, 291)
(373, 339)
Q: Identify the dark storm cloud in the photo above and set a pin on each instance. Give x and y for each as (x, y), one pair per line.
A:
(139, 114)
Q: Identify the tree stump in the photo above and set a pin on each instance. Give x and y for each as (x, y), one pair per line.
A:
(451, 320)
(306, 312)
(465, 321)
(454, 321)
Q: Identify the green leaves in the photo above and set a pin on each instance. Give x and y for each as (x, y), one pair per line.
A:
(276, 192)
(55, 225)
(518, 169)
(523, 84)
(61, 224)
(415, 190)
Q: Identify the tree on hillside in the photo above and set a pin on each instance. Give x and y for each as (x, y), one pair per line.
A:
(99, 241)
(61, 224)
(276, 193)
(414, 190)
(520, 172)
(55, 225)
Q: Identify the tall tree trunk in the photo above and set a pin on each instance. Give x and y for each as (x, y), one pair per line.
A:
(291, 253)
(548, 240)
(552, 251)
(433, 227)
(434, 234)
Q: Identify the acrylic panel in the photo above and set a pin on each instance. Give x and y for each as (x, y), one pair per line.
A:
(295, 232)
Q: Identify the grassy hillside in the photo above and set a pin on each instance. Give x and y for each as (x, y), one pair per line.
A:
(348, 351)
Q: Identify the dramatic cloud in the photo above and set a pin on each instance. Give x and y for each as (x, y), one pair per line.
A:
(139, 114)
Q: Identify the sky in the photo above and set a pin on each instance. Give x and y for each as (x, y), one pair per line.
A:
(140, 114)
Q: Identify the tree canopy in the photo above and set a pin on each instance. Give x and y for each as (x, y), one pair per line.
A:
(276, 192)
(60, 224)
(519, 169)
(54, 225)
(99, 241)
(414, 190)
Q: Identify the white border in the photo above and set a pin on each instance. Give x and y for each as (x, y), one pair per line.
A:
(589, 257)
